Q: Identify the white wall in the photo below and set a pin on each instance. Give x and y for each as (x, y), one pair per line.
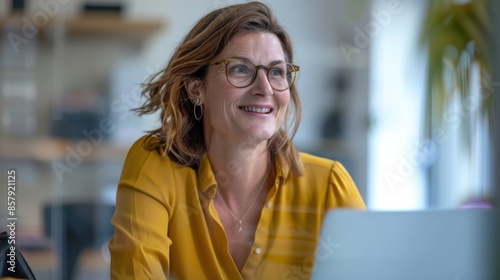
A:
(397, 159)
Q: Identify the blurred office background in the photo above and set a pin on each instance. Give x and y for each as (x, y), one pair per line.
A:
(71, 72)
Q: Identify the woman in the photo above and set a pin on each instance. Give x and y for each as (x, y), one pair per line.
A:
(219, 191)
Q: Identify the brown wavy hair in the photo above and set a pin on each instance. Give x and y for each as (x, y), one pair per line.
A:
(181, 135)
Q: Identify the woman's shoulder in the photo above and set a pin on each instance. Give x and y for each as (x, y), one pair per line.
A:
(312, 161)
(340, 189)
(149, 172)
(141, 159)
(316, 166)
(140, 151)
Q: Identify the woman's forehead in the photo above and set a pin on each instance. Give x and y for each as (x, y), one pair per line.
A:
(254, 45)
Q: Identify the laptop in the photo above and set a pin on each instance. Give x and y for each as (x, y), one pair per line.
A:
(405, 245)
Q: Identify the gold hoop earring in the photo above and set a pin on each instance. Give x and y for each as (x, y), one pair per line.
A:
(196, 102)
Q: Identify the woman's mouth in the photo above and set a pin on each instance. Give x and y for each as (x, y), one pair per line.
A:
(259, 110)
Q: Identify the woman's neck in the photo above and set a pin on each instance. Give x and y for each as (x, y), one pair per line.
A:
(240, 169)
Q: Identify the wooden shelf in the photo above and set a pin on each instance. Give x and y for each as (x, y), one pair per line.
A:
(111, 26)
(87, 26)
(47, 149)
(108, 25)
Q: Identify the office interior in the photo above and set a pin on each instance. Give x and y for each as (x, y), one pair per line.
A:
(70, 73)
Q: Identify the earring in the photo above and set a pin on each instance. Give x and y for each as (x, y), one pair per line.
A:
(196, 102)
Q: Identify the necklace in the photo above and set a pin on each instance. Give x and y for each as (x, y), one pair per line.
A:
(240, 220)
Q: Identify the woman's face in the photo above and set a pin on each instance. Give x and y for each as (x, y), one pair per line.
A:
(254, 113)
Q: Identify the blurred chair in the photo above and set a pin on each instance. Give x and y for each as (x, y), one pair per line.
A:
(21, 268)
(74, 227)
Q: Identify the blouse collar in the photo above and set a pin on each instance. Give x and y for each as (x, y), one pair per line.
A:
(206, 176)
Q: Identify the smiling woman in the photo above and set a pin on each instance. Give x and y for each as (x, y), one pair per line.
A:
(219, 191)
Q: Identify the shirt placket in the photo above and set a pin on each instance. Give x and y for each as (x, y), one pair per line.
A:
(261, 243)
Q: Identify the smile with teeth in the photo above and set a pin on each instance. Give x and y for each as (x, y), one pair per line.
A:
(256, 110)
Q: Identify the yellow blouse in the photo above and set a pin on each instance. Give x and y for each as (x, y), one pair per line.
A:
(166, 223)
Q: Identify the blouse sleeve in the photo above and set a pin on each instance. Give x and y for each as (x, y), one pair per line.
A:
(342, 191)
(140, 246)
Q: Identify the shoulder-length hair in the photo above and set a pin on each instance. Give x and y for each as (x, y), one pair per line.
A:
(181, 135)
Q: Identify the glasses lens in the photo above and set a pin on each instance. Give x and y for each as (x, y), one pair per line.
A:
(281, 75)
(240, 72)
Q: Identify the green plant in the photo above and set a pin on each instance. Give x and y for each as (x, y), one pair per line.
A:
(456, 37)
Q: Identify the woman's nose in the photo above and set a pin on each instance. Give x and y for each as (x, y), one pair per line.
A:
(262, 82)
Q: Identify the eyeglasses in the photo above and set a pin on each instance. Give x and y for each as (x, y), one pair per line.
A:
(241, 73)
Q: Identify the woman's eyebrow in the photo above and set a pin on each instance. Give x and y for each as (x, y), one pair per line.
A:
(271, 63)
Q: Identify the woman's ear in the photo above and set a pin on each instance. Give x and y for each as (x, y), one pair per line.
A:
(194, 88)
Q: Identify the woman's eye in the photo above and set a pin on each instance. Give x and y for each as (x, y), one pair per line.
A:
(239, 69)
(277, 72)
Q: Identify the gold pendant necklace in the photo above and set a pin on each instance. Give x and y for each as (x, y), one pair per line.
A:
(240, 220)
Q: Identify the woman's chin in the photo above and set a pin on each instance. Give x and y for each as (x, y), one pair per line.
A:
(260, 134)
